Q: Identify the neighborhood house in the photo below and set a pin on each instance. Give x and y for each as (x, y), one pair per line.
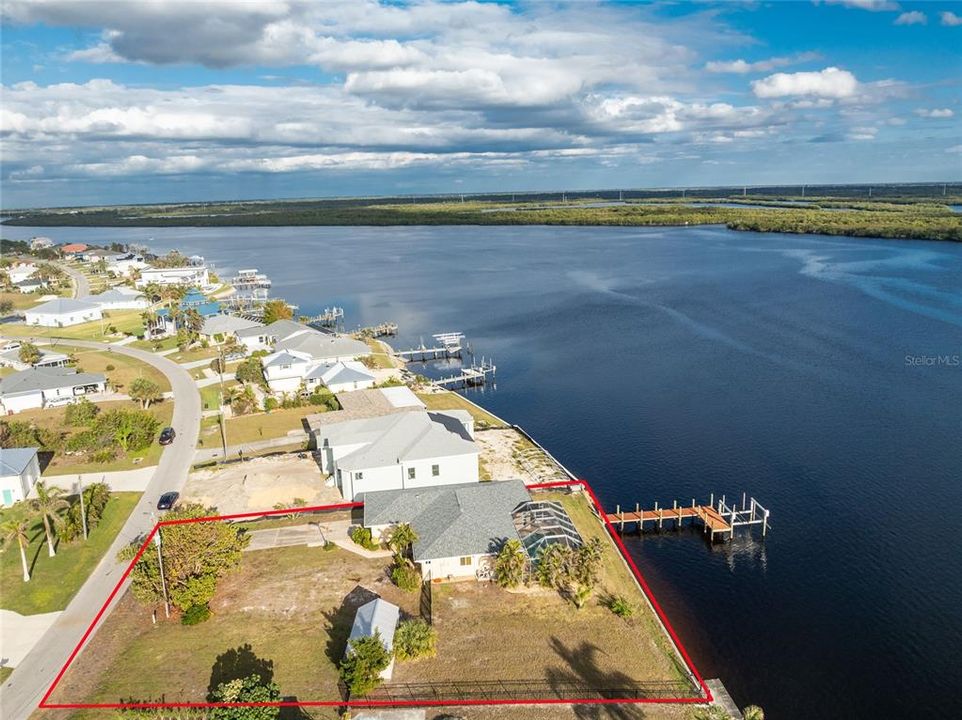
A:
(63, 312)
(19, 472)
(458, 527)
(47, 387)
(120, 298)
(174, 276)
(399, 450)
(10, 357)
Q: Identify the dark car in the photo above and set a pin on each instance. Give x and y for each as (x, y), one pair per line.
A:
(167, 500)
(167, 436)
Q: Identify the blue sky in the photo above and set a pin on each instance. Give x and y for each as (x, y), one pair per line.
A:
(111, 102)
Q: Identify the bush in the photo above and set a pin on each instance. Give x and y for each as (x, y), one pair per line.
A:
(361, 668)
(16, 433)
(414, 639)
(362, 536)
(620, 606)
(195, 614)
(270, 403)
(328, 545)
(405, 577)
(110, 368)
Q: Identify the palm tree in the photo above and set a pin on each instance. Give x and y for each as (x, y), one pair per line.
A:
(48, 505)
(510, 564)
(753, 712)
(18, 530)
(401, 538)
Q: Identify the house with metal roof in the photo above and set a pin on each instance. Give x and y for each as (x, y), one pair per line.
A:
(398, 450)
(459, 527)
(19, 472)
(117, 299)
(47, 387)
(380, 618)
(63, 312)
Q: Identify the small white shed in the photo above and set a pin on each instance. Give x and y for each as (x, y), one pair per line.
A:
(381, 617)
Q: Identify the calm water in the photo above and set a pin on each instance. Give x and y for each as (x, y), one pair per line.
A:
(671, 363)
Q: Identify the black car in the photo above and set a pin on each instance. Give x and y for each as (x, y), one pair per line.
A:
(167, 436)
(167, 500)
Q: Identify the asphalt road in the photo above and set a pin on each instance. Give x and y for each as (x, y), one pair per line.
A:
(23, 690)
(81, 286)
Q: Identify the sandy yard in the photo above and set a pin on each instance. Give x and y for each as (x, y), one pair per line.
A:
(506, 454)
(260, 484)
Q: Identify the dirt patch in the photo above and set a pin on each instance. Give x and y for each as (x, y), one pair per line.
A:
(260, 484)
(507, 454)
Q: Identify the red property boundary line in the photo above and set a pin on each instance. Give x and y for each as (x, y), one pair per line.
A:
(679, 646)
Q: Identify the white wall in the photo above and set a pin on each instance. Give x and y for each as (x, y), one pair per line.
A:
(20, 402)
(20, 485)
(349, 387)
(445, 567)
(132, 303)
(453, 469)
(174, 276)
(62, 320)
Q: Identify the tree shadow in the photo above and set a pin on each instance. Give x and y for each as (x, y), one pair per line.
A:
(239, 662)
(581, 668)
(340, 620)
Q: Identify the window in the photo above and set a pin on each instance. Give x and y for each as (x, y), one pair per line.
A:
(359, 476)
(466, 560)
(412, 473)
(435, 470)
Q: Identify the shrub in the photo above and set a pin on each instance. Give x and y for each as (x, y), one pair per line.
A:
(361, 668)
(81, 413)
(270, 403)
(405, 577)
(328, 545)
(362, 536)
(195, 614)
(110, 368)
(414, 639)
(620, 606)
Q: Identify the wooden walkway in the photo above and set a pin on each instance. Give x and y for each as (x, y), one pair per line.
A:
(721, 520)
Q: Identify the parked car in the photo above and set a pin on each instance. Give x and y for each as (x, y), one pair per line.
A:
(167, 500)
(167, 436)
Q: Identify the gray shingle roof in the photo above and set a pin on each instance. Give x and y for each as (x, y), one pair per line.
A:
(324, 345)
(278, 329)
(114, 295)
(13, 461)
(63, 305)
(46, 379)
(450, 520)
(222, 324)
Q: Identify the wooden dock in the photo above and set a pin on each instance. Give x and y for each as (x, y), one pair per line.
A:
(332, 317)
(473, 376)
(385, 329)
(716, 518)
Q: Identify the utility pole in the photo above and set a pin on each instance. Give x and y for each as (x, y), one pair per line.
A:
(163, 580)
(83, 510)
(223, 426)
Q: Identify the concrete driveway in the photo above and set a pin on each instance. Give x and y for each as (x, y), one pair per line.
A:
(310, 535)
(23, 690)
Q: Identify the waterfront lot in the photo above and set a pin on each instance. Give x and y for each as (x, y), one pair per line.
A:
(446, 400)
(293, 607)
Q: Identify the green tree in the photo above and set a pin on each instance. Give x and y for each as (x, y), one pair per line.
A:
(277, 310)
(509, 566)
(193, 321)
(242, 399)
(29, 353)
(250, 689)
(19, 531)
(361, 668)
(196, 555)
(250, 371)
(145, 391)
(401, 539)
(80, 413)
(753, 712)
(414, 639)
(552, 565)
(49, 506)
(6, 307)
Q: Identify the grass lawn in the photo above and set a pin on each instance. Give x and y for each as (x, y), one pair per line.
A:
(127, 322)
(21, 301)
(210, 396)
(262, 426)
(290, 606)
(151, 345)
(125, 369)
(452, 401)
(195, 354)
(68, 464)
(55, 580)
(381, 358)
(5, 672)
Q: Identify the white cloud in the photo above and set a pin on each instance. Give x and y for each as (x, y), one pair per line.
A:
(912, 18)
(828, 83)
(870, 5)
(950, 19)
(862, 133)
(742, 66)
(934, 113)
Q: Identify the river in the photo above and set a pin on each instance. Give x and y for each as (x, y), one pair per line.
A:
(821, 375)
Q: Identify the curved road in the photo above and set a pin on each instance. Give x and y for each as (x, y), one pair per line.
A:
(81, 286)
(24, 689)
